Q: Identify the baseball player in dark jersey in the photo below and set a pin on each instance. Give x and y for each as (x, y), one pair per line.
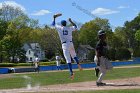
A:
(101, 58)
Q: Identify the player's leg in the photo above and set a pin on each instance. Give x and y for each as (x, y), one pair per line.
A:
(97, 71)
(68, 60)
(38, 69)
(73, 55)
(102, 74)
(57, 67)
(60, 68)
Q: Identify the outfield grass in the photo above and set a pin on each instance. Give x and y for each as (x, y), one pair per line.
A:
(101, 91)
(62, 77)
(104, 91)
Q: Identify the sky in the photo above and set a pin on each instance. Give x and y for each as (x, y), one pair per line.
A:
(116, 11)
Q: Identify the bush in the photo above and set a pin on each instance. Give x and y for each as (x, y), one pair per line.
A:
(7, 65)
(63, 62)
(47, 63)
(91, 55)
(111, 54)
(44, 60)
(136, 52)
(14, 64)
(26, 64)
(122, 54)
(23, 64)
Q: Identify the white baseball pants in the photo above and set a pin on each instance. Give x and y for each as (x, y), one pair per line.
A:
(68, 51)
(104, 66)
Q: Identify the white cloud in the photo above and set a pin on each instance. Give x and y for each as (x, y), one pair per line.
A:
(41, 12)
(103, 11)
(122, 7)
(13, 4)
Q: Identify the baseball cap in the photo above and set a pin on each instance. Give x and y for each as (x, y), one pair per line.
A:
(63, 22)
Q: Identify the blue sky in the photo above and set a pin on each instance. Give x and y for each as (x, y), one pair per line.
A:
(117, 11)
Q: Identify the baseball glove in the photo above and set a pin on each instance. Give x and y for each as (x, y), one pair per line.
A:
(57, 15)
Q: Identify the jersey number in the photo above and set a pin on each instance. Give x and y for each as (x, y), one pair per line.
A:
(65, 32)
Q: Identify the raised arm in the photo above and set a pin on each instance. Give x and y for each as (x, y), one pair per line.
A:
(54, 17)
(53, 23)
(72, 23)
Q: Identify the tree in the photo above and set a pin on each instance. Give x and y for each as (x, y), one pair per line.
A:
(130, 29)
(50, 42)
(137, 35)
(16, 28)
(88, 32)
(137, 50)
(119, 40)
(12, 42)
(3, 27)
(8, 12)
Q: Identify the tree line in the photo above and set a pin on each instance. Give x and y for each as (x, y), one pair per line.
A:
(16, 29)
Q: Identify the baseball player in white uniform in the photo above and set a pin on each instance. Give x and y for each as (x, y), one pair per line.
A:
(58, 60)
(65, 34)
(36, 63)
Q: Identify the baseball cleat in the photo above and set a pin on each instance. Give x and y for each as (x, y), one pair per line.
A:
(80, 68)
(97, 72)
(100, 84)
(72, 76)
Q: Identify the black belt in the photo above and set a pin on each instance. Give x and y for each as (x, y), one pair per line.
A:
(65, 42)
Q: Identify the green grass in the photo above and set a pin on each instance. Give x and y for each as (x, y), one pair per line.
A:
(50, 78)
(105, 91)
(100, 91)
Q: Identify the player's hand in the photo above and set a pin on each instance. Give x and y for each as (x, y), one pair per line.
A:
(70, 20)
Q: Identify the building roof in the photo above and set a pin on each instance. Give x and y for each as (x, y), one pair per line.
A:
(32, 46)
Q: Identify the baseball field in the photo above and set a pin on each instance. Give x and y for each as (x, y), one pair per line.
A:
(119, 80)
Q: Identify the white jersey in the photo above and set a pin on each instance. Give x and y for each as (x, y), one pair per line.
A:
(65, 33)
(58, 60)
(36, 62)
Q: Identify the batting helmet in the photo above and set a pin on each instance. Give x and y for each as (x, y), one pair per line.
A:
(101, 32)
